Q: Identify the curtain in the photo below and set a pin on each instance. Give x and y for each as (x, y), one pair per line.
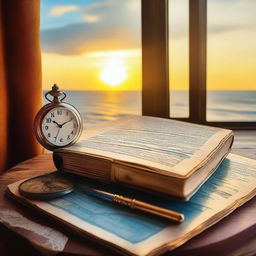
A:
(20, 79)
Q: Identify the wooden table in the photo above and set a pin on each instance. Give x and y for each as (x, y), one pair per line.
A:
(24, 231)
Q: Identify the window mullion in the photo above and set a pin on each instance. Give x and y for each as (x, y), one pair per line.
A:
(155, 59)
(197, 60)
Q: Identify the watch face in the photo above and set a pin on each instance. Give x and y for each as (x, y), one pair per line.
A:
(60, 126)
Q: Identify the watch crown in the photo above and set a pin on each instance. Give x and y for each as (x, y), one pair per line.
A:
(55, 93)
(55, 87)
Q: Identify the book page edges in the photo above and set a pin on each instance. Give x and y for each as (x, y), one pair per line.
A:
(195, 181)
(190, 165)
(109, 170)
(147, 181)
(156, 251)
(57, 214)
(231, 205)
(203, 226)
(169, 185)
(122, 172)
(182, 170)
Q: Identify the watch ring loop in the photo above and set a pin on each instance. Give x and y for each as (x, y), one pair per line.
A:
(53, 100)
(47, 97)
(64, 96)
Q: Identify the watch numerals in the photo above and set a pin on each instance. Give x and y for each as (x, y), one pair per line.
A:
(59, 127)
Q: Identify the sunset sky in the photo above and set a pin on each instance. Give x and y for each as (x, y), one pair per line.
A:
(96, 45)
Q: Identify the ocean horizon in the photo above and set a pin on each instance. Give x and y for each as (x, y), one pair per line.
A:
(100, 106)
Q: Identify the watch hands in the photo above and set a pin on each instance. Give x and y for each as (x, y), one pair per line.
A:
(66, 122)
(57, 134)
(59, 125)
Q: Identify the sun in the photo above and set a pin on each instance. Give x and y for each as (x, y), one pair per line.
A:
(114, 72)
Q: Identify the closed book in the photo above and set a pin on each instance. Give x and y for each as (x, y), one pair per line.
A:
(153, 154)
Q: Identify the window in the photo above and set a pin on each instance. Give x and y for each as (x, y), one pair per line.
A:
(92, 50)
(95, 46)
(179, 57)
(155, 19)
(231, 60)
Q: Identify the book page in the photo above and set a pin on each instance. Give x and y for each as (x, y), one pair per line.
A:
(139, 233)
(154, 142)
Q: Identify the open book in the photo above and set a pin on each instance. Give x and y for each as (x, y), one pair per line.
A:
(136, 233)
(149, 153)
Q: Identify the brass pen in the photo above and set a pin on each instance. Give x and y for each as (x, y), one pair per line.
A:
(136, 204)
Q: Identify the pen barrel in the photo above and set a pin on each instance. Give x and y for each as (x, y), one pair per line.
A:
(136, 204)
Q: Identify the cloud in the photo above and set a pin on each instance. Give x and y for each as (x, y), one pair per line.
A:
(108, 25)
(91, 18)
(116, 24)
(231, 15)
(59, 10)
(222, 16)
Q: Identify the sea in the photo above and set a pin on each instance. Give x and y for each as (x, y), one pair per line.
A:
(97, 107)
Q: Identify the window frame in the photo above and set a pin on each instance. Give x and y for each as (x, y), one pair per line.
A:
(155, 63)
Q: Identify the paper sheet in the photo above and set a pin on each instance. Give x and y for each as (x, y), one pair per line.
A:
(231, 185)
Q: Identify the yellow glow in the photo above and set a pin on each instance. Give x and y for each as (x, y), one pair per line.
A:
(83, 72)
(114, 72)
(116, 54)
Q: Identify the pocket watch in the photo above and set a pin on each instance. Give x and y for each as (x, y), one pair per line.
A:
(47, 186)
(57, 124)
